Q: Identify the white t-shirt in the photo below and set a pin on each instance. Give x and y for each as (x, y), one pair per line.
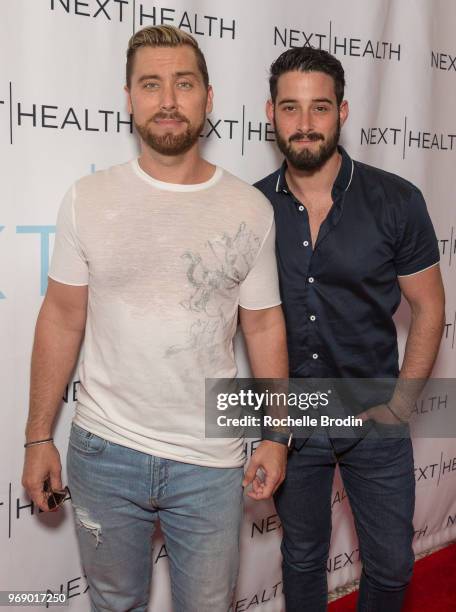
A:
(167, 266)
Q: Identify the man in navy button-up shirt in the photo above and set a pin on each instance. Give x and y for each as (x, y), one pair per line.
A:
(350, 240)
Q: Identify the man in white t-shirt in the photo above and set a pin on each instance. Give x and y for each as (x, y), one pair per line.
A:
(153, 261)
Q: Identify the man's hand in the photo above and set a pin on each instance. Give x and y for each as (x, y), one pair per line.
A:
(380, 414)
(271, 458)
(41, 461)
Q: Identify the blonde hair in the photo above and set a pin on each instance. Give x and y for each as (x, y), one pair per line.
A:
(163, 36)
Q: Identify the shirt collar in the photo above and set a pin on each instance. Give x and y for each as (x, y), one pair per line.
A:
(345, 175)
(341, 184)
(281, 184)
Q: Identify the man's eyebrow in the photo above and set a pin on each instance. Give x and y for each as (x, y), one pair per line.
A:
(292, 101)
(287, 101)
(185, 73)
(180, 73)
(146, 77)
(327, 100)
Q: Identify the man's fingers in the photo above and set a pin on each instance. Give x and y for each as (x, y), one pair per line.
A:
(269, 486)
(41, 462)
(266, 470)
(38, 497)
(34, 486)
(256, 492)
(279, 482)
(256, 488)
(56, 481)
(265, 490)
(367, 415)
(263, 493)
(271, 483)
(257, 485)
(379, 414)
(250, 473)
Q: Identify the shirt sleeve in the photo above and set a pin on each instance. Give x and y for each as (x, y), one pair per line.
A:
(417, 247)
(68, 264)
(260, 288)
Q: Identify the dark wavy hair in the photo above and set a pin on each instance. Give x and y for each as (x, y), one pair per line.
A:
(308, 59)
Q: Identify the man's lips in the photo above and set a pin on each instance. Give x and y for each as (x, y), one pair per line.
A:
(305, 139)
(168, 122)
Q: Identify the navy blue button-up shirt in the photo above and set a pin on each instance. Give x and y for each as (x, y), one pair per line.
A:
(340, 296)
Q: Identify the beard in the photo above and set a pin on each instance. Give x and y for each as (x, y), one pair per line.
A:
(169, 143)
(306, 159)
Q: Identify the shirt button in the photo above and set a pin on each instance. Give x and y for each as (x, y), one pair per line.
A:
(301, 208)
(312, 317)
(306, 243)
(315, 356)
(311, 279)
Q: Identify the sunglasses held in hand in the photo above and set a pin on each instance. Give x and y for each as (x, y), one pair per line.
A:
(55, 498)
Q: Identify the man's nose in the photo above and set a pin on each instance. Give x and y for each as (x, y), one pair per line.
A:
(168, 97)
(305, 123)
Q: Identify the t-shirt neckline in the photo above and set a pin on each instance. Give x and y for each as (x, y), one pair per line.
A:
(175, 186)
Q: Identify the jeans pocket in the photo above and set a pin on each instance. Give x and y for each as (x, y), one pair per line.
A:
(85, 441)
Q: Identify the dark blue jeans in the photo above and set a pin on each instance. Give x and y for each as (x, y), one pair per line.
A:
(378, 477)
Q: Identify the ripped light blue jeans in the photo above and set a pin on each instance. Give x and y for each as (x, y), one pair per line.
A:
(119, 494)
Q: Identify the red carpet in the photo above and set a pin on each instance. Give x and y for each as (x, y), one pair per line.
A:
(433, 587)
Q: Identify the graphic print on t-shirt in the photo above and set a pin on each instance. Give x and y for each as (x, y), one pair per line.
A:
(212, 285)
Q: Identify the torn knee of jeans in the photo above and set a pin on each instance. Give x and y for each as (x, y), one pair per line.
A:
(83, 519)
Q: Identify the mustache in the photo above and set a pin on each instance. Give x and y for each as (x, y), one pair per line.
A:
(312, 136)
(175, 116)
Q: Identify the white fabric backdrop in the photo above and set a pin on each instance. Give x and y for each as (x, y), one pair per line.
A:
(63, 115)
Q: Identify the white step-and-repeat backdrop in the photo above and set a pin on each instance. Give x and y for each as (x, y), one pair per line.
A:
(63, 115)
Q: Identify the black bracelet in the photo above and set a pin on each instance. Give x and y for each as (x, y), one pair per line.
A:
(277, 436)
(397, 417)
(36, 442)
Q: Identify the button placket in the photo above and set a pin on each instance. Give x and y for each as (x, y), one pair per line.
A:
(306, 232)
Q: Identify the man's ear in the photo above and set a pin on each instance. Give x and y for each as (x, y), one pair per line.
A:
(129, 106)
(210, 99)
(343, 112)
(270, 111)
